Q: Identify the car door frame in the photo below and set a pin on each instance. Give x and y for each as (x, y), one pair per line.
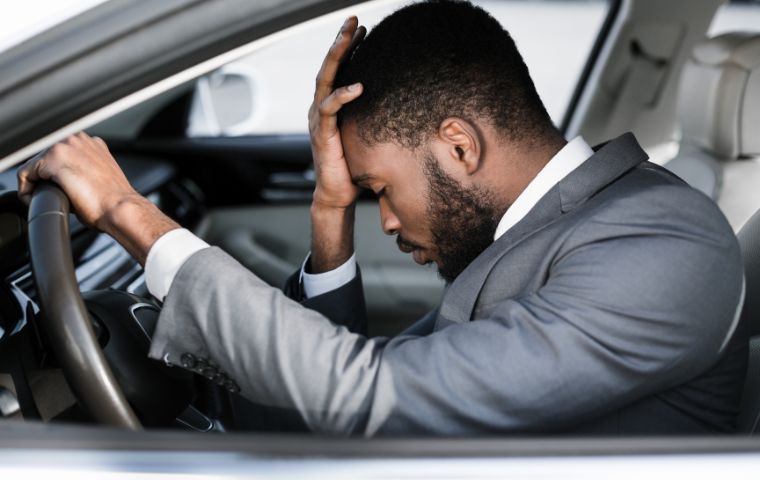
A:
(81, 85)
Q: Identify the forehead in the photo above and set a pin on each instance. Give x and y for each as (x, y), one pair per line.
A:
(378, 161)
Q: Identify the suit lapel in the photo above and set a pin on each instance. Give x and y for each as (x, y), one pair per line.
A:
(611, 161)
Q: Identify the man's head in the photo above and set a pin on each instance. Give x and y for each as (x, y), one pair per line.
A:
(446, 130)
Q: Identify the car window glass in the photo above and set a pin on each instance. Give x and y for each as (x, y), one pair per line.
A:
(270, 90)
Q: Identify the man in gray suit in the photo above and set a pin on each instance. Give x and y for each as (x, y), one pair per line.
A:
(588, 291)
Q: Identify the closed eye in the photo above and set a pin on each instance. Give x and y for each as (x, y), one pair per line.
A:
(362, 181)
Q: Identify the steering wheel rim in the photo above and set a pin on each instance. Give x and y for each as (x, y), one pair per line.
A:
(64, 315)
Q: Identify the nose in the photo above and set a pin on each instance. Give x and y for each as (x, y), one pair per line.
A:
(388, 220)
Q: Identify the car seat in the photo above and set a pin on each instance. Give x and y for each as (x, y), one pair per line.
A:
(719, 116)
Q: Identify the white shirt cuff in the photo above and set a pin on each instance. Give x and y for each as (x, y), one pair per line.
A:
(166, 257)
(315, 284)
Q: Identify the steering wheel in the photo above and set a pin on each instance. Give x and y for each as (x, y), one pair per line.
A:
(65, 317)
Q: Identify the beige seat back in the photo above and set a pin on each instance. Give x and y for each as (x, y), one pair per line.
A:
(719, 116)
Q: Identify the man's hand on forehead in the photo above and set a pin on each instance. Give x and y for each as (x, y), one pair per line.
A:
(334, 193)
(334, 188)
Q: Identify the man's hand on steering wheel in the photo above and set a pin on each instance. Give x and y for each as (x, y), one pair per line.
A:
(99, 192)
(84, 168)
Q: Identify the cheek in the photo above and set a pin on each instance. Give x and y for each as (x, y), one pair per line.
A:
(413, 195)
(412, 213)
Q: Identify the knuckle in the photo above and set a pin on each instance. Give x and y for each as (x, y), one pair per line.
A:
(318, 141)
(328, 101)
(56, 150)
(59, 149)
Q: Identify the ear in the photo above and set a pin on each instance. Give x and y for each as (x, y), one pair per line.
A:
(462, 143)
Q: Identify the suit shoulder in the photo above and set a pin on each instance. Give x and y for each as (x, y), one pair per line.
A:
(652, 192)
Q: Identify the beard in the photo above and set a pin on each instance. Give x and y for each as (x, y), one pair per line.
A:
(462, 220)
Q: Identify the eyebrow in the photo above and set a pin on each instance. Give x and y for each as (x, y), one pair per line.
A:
(363, 179)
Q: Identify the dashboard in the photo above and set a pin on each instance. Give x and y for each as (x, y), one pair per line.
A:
(100, 264)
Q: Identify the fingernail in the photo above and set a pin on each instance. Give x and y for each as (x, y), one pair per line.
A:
(354, 86)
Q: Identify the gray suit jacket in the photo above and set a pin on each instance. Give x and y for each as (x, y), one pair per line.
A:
(620, 286)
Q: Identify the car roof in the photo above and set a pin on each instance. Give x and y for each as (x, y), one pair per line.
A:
(23, 20)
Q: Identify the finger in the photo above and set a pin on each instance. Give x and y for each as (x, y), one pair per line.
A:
(313, 113)
(74, 139)
(83, 142)
(100, 145)
(80, 140)
(24, 184)
(100, 142)
(359, 35)
(330, 106)
(28, 175)
(334, 56)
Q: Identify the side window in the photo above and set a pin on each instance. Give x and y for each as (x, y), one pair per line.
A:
(269, 91)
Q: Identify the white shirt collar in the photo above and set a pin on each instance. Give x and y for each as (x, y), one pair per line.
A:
(570, 157)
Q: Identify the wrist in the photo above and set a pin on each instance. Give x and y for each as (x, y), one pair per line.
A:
(136, 224)
(118, 212)
(331, 203)
(332, 236)
(321, 209)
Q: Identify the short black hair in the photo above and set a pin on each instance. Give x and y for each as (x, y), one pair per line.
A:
(436, 59)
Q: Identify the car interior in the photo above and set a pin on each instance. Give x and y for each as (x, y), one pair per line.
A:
(692, 99)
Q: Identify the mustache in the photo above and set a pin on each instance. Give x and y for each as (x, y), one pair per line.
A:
(402, 242)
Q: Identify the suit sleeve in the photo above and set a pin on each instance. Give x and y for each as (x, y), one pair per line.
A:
(343, 306)
(622, 316)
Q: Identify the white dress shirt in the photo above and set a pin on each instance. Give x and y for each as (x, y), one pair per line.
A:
(570, 157)
(170, 252)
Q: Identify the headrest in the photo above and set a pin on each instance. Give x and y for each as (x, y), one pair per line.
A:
(719, 98)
